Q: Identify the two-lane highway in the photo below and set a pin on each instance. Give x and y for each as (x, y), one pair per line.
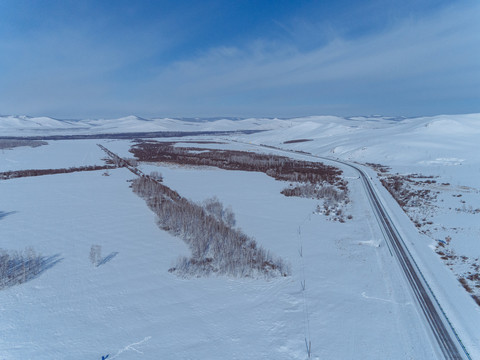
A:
(443, 332)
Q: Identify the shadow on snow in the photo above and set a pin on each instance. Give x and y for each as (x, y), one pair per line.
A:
(18, 268)
(5, 214)
(108, 258)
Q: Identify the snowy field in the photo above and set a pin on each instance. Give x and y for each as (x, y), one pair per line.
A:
(356, 304)
(353, 304)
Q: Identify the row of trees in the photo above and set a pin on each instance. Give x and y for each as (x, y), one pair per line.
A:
(215, 245)
(39, 172)
(278, 167)
(307, 179)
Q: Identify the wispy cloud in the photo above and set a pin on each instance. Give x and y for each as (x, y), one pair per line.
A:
(418, 66)
(414, 67)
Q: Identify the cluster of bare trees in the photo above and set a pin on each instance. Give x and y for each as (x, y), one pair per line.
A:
(214, 207)
(315, 191)
(208, 230)
(19, 267)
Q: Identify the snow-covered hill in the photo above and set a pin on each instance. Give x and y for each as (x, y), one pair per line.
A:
(40, 126)
(440, 140)
(426, 140)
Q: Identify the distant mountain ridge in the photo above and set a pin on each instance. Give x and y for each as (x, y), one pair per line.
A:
(319, 127)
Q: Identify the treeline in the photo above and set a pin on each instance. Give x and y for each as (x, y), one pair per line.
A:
(216, 247)
(12, 143)
(114, 159)
(278, 167)
(39, 172)
(315, 180)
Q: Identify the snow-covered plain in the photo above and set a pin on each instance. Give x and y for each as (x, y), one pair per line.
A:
(355, 306)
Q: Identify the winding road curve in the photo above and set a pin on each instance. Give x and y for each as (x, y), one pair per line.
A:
(443, 331)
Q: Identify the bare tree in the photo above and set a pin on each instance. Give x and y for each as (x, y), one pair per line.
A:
(95, 254)
(229, 217)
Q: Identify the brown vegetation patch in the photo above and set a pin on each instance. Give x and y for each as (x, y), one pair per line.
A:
(404, 189)
(378, 167)
(307, 179)
(278, 167)
(465, 285)
(39, 172)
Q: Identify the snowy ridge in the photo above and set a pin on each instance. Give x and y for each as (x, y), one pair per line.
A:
(436, 140)
(440, 140)
(313, 126)
(37, 126)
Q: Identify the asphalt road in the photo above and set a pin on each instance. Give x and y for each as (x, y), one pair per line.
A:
(443, 332)
(448, 343)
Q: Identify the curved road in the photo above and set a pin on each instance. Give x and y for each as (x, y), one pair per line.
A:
(445, 335)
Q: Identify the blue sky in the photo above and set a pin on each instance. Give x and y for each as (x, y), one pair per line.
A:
(78, 59)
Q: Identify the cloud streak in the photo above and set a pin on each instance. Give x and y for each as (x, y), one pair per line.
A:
(417, 67)
(408, 70)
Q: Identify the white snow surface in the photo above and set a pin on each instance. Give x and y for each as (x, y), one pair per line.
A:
(359, 306)
(355, 307)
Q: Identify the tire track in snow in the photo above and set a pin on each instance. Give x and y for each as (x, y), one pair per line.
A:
(131, 347)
